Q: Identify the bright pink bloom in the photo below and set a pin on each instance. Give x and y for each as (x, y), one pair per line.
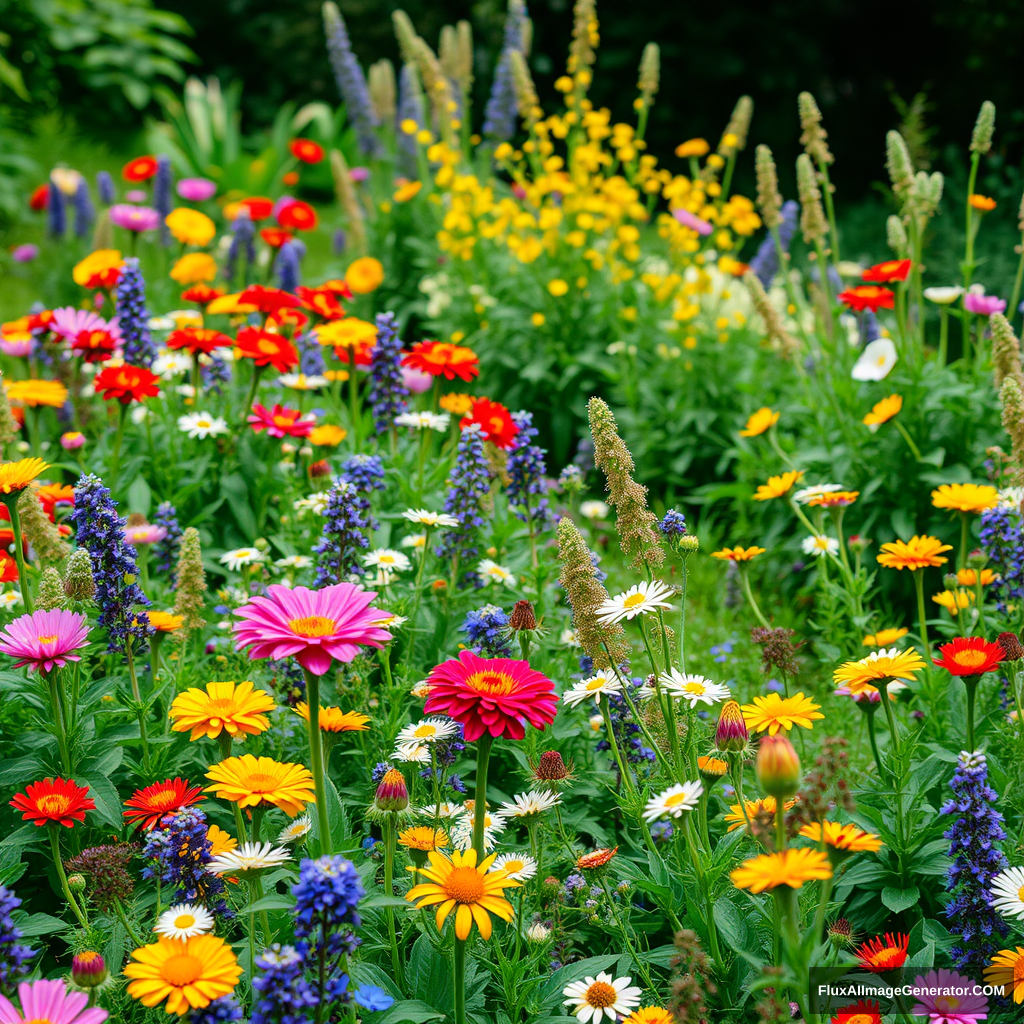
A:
(691, 220)
(45, 640)
(52, 1003)
(949, 1009)
(280, 421)
(494, 695)
(197, 190)
(315, 627)
(416, 381)
(68, 323)
(18, 349)
(986, 305)
(358, 174)
(134, 218)
(145, 533)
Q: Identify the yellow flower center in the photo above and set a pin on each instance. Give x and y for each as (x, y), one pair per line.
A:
(512, 866)
(596, 683)
(386, 559)
(860, 1018)
(675, 799)
(697, 688)
(53, 803)
(425, 730)
(260, 782)
(181, 970)
(266, 347)
(601, 994)
(312, 626)
(221, 707)
(947, 1004)
(184, 921)
(633, 600)
(970, 659)
(496, 683)
(464, 885)
(47, 639)
(165, 798)
(1020, 894)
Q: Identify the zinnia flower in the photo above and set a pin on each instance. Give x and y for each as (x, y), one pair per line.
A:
(268, 300)
(969, 656)
(54, 801)
(496, 421)
(190, 227)
(441, 359)
(198, 339)
(759, 422)
(882, 956)
(916, 553)
(889, 270)
(773, 713)
(50, 1002)
(141, 168)
(298, 216)
(883, 411)
(315, 627)
(868, 296)
(45, 640)
(187, 973)
(790, 867)
(134, 218)
(250, 782)
(265, 348)
(280, 421)
(35, 393)
(148, 806)
(492, 695)
(777, 486)
(235, 708)
(100, 269)
(965, 497)
(126, 383)
(306, 150)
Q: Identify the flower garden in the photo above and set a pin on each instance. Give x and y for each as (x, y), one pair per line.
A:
(491, 574)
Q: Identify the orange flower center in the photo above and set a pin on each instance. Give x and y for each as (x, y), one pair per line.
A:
(54, 804)
(884, 957)
(47, 639)
(221, 707)
(312, 626)
(181, 970)
(283, 421)
(165, 798)
(495, 683)
(970, 659)
(266, 347)
(496, 423)
(601, 994)
(87, 957)
(260, 782)
(464, 885)
(184, 921)
(862, 1018)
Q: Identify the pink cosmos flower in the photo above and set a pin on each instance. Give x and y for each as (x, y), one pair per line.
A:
(135, 218)
(316, 627)
(691, 220)
(49, 1002)
(71, 440)
(25, 253)
(145, 533)
(948, 1008)
(281, 421)
(197, 190)
(416, 381)
(45, 640)
(18, 349)
(69, 322)
(986, 305)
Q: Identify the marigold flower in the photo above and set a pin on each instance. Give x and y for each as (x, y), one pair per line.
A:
(981, 203)
(1007, 970)
(194, 268)
(790, 867)
(239, 709)
(844, 838)
(190, 227)
(777, 486)
(969, 656)
(442, 359)
(693, 147)
(148, 806)
(34, 393)
(754, 808)
(100, 269)
(916, 553)
(334, 719)
(198, 339)
(165, 622)
(455, 403)
(250, 782)
(126, 384)
(889, 270)
(364, 275)
(408, 190)
(16, 476)
(953, 602)
(266, 349)
(187, 973)
(496, 421)
(423, 838)
(883, 411)
(760, 421)
(54, 801)
(738, 554)
(970, 577)
(306, 150)
(965, 497)
(868, 296)
(880, 956)
(881, 665)
(773, 713)
(298, 216)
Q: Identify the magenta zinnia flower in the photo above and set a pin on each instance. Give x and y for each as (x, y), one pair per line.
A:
(49, 1002)
(135, 218)
(197, 190)
(45, 640)
(315, 627)
(145, 533)
(494, 695)
(967, 1007)
(985, 305)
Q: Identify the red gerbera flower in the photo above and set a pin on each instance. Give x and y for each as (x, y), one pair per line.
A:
(321, 301)
(142, 168)
(198, 339)
(275, 237)
(266, 349)
(126, 383)
(882, 957)
(280, 421)
(969, 656)
(40, 198)
(306, 150)
(267, 300)
(889, 270)
(337, 286)
(95, 346)
(868, 296)
(54, 801)
(492, 695)
(862, 1012)
(259, 207)
(298, 215)
(147, 806)
(498, 426)
(439, 358)
(201, 293)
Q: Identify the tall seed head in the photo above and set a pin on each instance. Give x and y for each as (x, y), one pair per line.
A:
(769, 199)
(813, 136)
(984, 127)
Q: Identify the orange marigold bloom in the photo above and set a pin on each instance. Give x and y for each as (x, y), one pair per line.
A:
(965, 497)
(266, 349)
(778, 486)
(847, 838)
(760, 421)
(442, 359)
(198, 339)
(981, 203)
(916, 553)
(868, 296)
(889, 270)
(142, 168)
(883, 411)
(126, 383)
(969, 578)
(738, 554)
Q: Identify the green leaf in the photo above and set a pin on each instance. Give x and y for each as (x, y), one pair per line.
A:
(139, 496)
(108, 803)
(898, 900)
(409, 1011)
(275, 901)
(41, 924)
(921, 962)
(384, 901)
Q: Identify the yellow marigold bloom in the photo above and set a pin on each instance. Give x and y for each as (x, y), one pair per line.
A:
(953, 602)
(364, 275)
(773, 713)
(190, 227)
(760, 421)
(969, 577)
(235, 708)
(650, 1015)
(16, 476)
(473, 892)
(195, 268)
(843, 837)
(558, 287)
(693, 147)
(788, 867)
(220, 841)
(188, 973)
(777, 486)
(423, 837)
(965, 497)
(738, 554)
(165, 622)
(409, 126)
(833, 499)
(405, 192)
(884, 637)
(37, 392)
(982, 203)
(766, 805)
(226, 303)
(456, 403)
(916, 553)
(348, 333)
(878, 665)
(250, 781)
(328, 435)
(1007, 969)
(94, 265)
(883, 411)
(538, 319)
(334, 719)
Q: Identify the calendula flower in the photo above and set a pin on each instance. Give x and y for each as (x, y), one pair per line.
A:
(773, 713)
(334, 719)
(190, 227)
(674, 801)
(847, 838)
(640, 599)
(954, 602)
(754, 808)
(917, 553)
(883, 411)
(183, 921)
(970, 577)
(650, 1015)
(16, 476)
(250, 782)
(423, 838)
(364, 275)
(327, 435)
(592, 689)
(965, 497)
(147, 807)
(778, 486)
(187, 973)
(100, 269)
(1007, 970)
(883, 664)
(762, 420)
(220, 840)
(239, 709)
(884, 637)
(738, 554)
(834, 499)
(883, 956)
(594, 999)
(981, 203)
(786, 867)
(54, 801)
(693, 689)
(195, 268)
(35, 393)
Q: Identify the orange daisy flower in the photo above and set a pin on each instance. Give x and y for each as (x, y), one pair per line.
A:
(146, 807)
(440, 359)
(126, 383)
(266, 349)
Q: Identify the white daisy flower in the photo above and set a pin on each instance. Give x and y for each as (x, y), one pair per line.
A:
(387, 561)
(248, 857)
(184, 920)
(490, 572)
(592, 688)
(202, 425)
(520, 867)
(568, 637)
(315, 503)
(430, 730)
(593, 509)
(424, 420)
(297, 830)
(462, 833)
(943, 295)
(876, 361)
(674, 801)
(593, 999)
(294, 562)
(10, 599)
(526, 805)
(445, 811)
(804, 495)
(638, 600)
(415, 540)
(390, 621)
(1007, 893)
(694, 689)
(170, 364)
(234, 560)
(302, 382)
(412, 753)
(819, 545)
(427, 518)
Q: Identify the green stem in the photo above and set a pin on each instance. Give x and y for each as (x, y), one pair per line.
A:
(115, 459)
(483, 757)
(59, 864)
(971, 682)
(58, 722)
(316, 757)
(944, 333)
(137, 696)
(19, 552)
(1017, 281)
(460, 981)
(353, 401)
(748, 593)
(873, 739)
(890, 718)
(914, 450)
(389, 890)
(961, 562)
(921, 614)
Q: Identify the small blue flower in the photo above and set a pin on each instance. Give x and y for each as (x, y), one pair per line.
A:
(371, 997)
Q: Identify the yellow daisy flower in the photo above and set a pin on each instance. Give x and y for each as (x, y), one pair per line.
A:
(965, 497)
(234, 708)
(250, 782)
(788, 867)
(916, 553)
(762, 420)
(778, 486)
(773, 713)
(334, 719)
(187, 973)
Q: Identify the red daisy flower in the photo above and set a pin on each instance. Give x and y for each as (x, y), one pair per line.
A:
(259, 207)
(266, 349)
(298, 215)
(40, 198)
(337, 286)
(306, 150)
(126, 383)
(492, 695)
(868, 296)
(54, 801)
(861, 1012)
(293, 318)
(321, 301)
(267, 300)
(198, 339)
(280, 421)
(142, 168)
(498, 426)
(94, 346)
(882, 957)
(201, 293)
(275, 237)
(969, 656)
(889, 270)
(439, 358)
(148, 806)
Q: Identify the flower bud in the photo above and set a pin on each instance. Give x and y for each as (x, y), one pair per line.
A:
(319, 468)
(777, 767)
(977, 559)
(88, 969)
(76, 883)
(1011, 645)
(538, 932)
(858, 543)
(688, 544)
(712, 769)
(522, 617)
(840, 934)
(392, 794)
(950, 581)
(732, 733)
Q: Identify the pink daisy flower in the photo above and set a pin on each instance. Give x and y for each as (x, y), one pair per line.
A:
(145, 533)
(494, 695)
(69, 322)
(281, 421)
(316, 627)
(134, 218)
(964, 1007)
(49, 1002)
(45, 640)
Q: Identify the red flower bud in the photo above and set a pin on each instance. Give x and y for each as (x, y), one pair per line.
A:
(777, 767)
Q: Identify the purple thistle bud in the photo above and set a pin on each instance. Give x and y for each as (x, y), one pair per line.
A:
(85, 212)
(286, 266)
(163, 195)
(765, 263)
(132, 315)
(56, 214)
(348, 73)
(105, 188)
(387, 393)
